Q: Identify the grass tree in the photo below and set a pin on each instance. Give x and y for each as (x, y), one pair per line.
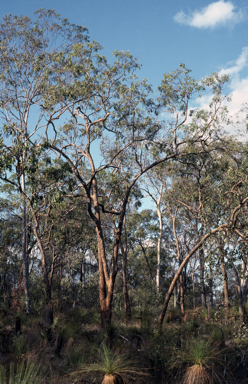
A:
(115, 367)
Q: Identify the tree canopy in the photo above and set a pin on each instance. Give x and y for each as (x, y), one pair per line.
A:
(83, 139)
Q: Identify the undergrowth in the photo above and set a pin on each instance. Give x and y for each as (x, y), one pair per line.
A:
(136, 351)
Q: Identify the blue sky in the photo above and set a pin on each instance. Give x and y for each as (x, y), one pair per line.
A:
(206, 35)
(152, 31)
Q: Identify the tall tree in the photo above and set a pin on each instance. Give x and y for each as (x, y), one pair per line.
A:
(30, 60)
(224, 209)
(116, 112)
(50, 66)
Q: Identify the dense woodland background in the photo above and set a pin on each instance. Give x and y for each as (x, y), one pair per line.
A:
(84, 144)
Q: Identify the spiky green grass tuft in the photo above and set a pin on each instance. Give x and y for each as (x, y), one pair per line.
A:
(21, 374)
(116, 367)
(202, 359)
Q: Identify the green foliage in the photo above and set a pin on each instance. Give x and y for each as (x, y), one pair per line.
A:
(202, 352)
(77, 358)
(23, 373)
(20, 345)
(68, 195)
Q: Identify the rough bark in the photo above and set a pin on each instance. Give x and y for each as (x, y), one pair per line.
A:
(202, 267)
(124, 279)
(225, 277)
(211, 296)
(193, 287)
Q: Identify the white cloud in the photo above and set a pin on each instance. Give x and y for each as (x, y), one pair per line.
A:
(238, 85)
(214, 15)
(240, 63)
(239, 94)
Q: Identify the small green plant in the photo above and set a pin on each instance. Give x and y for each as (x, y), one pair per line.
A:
(55, 321)
(20, 345)
(75, 359)
(202, 352)
(21, 374)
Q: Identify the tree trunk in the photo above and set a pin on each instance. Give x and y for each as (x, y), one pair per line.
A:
(106, 281)
(211, 286)
(182, 296)
(202, 267)
(240, 299)
(82, 274)
(146, 259)
(180, 262)
(224, 273)
(239, 290)
(124, 278)
(190, 254)
(105, 312)
(243, 280)
(193, 287)
(24, 252)
(44, 265)
(159, 239)
(175, 296)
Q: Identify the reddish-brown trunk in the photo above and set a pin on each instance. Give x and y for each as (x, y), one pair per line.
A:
(106, 282)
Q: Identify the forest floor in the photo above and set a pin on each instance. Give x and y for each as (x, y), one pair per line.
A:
(77, 349)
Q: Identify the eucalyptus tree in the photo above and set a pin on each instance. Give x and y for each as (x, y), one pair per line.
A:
(218, 198)
(117, 115)
(30, 60)
(10, 250)
(113, 124)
